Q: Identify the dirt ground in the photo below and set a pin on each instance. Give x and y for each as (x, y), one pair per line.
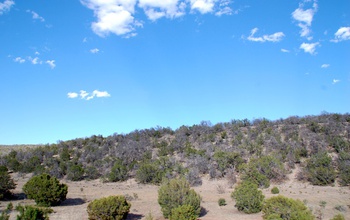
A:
(143, 198)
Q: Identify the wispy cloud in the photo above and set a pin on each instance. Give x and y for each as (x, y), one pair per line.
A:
(342, 34)
(72, 95)
(6, 6)
(95, 50)
(276, 37)
(155, 9)
(35, 60)
(309, 47)
(285, 50)
(326, 65)
(88, 96)
(335, 81)
(305, 17)
(36, 16)
(19, 60)
(51, 63)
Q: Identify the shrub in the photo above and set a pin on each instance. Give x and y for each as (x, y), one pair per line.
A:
(319, 169)
(45, 190)
(338, 217)
(249, 198)
(119, 172)
(275, 190)
(280, 207)
(75, 172)
(109, 208)
(344, 168)
(222, 202)
(33, 213)
(176, 192)
(6, 183)
(183, 212)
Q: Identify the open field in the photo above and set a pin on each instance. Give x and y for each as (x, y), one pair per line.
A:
(144, 198)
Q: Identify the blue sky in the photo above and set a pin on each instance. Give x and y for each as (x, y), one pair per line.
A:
(71, 68)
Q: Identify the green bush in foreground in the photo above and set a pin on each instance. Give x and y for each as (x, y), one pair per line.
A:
(176, 192)
(33, 213)
(109, 208)
(280, 207)
(184, 212)
(249, 198)
(45, 190)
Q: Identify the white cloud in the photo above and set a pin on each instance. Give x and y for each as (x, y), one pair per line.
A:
(276, 37)
(35, 60)
(305, 17)
(325, 65)
(335, 81)
(342, 34)
(88, 96)
(6, 6)
(19, 60)
(203, 6)
(95, 50)
(72, 95)
(285, 50)
(100, 94)
(309, 48)
(118, 16)
(113, 16)
(155, 9)
(36, 16)
(51, 63)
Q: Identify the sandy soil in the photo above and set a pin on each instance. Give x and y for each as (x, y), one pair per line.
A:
(144, 198)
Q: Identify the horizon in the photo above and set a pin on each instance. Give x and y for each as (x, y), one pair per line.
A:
(72, 69)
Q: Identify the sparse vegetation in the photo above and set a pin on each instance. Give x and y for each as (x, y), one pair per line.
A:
(112, 207)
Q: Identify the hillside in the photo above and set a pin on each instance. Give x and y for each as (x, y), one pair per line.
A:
(296, 152)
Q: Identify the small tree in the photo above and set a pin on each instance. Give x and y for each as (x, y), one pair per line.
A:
(109, 208)
(319, 169)
(280, 207)
(6, 183)
(45, 190)
(249, 198)
(119, 172)
(176, 192)
(75, 172)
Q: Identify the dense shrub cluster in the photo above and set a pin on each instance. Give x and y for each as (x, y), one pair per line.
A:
(176, 194)
(109, 208)
(45, 190)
